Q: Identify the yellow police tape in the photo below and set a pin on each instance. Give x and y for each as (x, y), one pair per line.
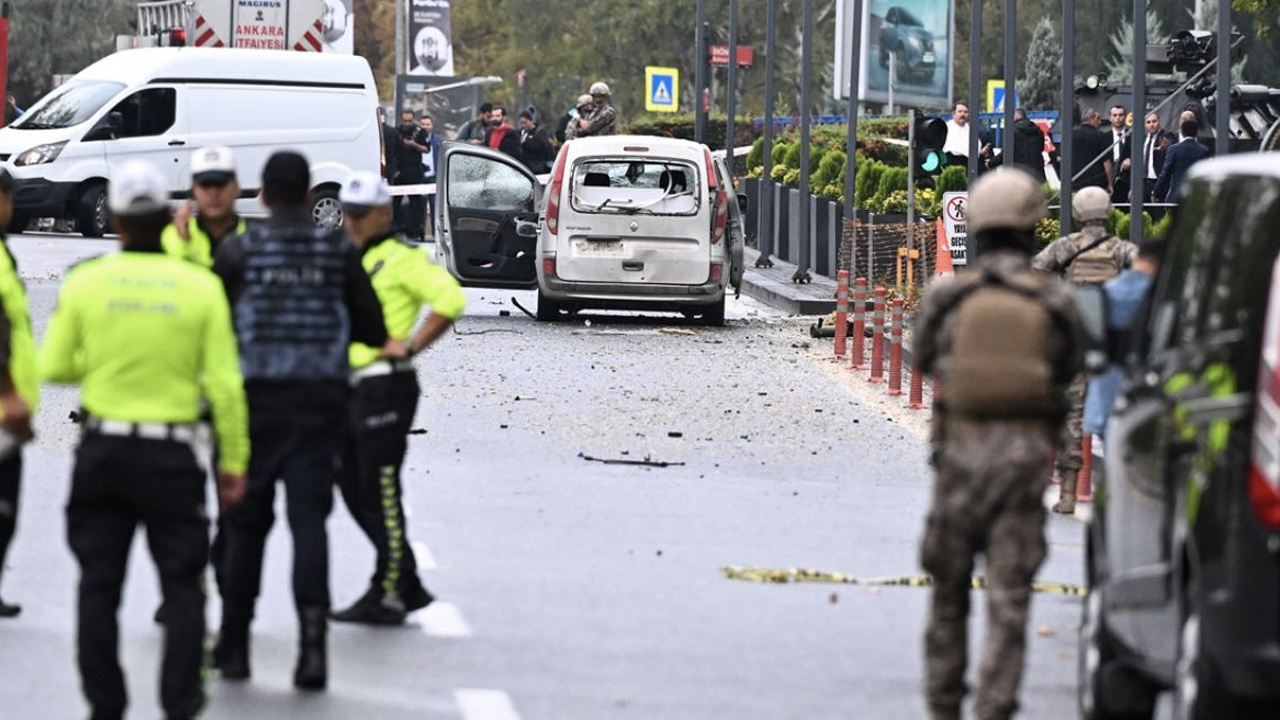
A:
(809, 575)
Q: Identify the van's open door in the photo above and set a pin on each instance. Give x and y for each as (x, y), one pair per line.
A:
(486, 217)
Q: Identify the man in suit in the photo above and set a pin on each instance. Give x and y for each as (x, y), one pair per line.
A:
(1154, 148)
(1177, 160)
(1118, 136)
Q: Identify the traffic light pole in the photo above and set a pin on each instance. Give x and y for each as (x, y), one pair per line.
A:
(911, 189)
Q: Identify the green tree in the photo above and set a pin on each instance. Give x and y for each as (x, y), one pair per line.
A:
(1120, 61)
(1041, 87)
(61, 37)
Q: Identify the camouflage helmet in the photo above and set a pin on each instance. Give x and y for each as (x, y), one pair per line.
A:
(599, 88)
(1005, 198)
(1091, 203)
(583, 101)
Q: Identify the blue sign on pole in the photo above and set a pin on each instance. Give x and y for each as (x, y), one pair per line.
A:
(662, 87)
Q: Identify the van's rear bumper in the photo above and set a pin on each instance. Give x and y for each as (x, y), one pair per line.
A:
(37, 197)
(624, 295)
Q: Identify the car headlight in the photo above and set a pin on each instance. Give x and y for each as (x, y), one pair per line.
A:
(40, 154)
(914, 41)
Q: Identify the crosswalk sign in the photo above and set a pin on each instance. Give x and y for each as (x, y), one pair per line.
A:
(995, 96)
(662, 89)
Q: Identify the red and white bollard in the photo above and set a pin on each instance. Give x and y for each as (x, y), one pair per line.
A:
(842, 312)
(877, 338)
(915, 400)
(859, 324)
(895, 348)
(1084, 483)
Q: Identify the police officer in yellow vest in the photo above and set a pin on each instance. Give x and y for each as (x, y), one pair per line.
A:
(385, 396)
(19, 382)
(215, 189)
(146, 336)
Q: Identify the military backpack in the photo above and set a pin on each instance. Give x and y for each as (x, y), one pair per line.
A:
(999, 365)
(1095, 259)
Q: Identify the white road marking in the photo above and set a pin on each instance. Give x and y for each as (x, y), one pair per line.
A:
(442, 619)
(422, 556)
(479, 704)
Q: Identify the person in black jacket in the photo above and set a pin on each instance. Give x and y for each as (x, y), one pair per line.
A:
(390, 148)
(1028, 145)
(534, 145)
(299, 297)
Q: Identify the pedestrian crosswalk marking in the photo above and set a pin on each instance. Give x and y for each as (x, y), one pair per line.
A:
(480, 704)
(662, 93)
(443, 620)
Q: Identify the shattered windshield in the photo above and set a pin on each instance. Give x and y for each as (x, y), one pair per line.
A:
(630, 186)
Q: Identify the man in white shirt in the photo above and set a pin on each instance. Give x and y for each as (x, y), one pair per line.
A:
(957, 144)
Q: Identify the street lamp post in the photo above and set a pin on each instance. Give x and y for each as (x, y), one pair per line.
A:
(851, 137)
(731, 92)
(700, 73)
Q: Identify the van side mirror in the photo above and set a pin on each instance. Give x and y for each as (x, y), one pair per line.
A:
(1091, 307)
(742, 203)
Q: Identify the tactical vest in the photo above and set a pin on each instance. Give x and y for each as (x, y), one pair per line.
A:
(292, 320)
(999, 365)
(1096, 265)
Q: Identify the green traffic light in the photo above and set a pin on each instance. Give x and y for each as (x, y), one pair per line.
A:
(933, 161)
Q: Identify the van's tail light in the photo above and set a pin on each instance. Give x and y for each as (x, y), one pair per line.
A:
(553, 195)
(720, 220)
(1264, 465)
(717, 272)
(549, 267)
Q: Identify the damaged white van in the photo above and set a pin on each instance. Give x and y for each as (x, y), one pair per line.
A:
(626, 223)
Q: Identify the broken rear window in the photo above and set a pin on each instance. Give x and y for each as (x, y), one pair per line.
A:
(636, 187)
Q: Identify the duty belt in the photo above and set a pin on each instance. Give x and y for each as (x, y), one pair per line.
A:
(178, 432)
(378, 368)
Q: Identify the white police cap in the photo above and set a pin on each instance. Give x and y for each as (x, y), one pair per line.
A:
(213, 164)
(137, 189)
(365, 189)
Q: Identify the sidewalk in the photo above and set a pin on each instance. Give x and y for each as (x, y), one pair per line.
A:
(773, 287)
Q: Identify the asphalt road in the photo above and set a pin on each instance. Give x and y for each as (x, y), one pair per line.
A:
(570, 588)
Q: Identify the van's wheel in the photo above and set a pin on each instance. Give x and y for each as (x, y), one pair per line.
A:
(1198, 691)
(1107, 689)
(714, 314)
(18, 223)
(92, 218)
(326, 210)
(548, 309)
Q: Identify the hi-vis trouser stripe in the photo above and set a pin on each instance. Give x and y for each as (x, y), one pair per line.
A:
(808, 575)
(395, 531)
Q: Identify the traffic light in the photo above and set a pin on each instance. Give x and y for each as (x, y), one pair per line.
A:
(930, 137)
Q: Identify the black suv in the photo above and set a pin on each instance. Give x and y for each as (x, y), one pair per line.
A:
(1183, 551)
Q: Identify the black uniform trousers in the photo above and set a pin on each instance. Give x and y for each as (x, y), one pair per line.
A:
(117, 484)
(380, 415)
(410, 210)
(10, 484)
(300, 444)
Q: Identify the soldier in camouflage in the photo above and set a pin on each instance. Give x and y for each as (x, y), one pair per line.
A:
(1090, 256)
(585, 106)
(604, 116)
(1002, 340)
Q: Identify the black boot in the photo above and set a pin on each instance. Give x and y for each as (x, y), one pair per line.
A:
(416, 596)
(8, 611)
(231, 654)
(374, 609)
(312, 672)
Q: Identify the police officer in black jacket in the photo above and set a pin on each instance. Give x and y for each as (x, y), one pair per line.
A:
(299, 297)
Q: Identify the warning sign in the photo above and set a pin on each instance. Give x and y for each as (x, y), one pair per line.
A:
(662, 87)
(260, 24)
(954, 205)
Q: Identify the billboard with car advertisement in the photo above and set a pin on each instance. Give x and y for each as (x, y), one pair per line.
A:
(916, 36)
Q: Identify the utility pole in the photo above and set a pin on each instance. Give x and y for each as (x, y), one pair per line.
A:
(1065, 124)
(402, 7)
(806, 78)
(1222, 108)
(1137, 163)
(851, 137)
(731, 104)
(765, 240)
(975, 97)
(1010, 77)
(700, 74)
